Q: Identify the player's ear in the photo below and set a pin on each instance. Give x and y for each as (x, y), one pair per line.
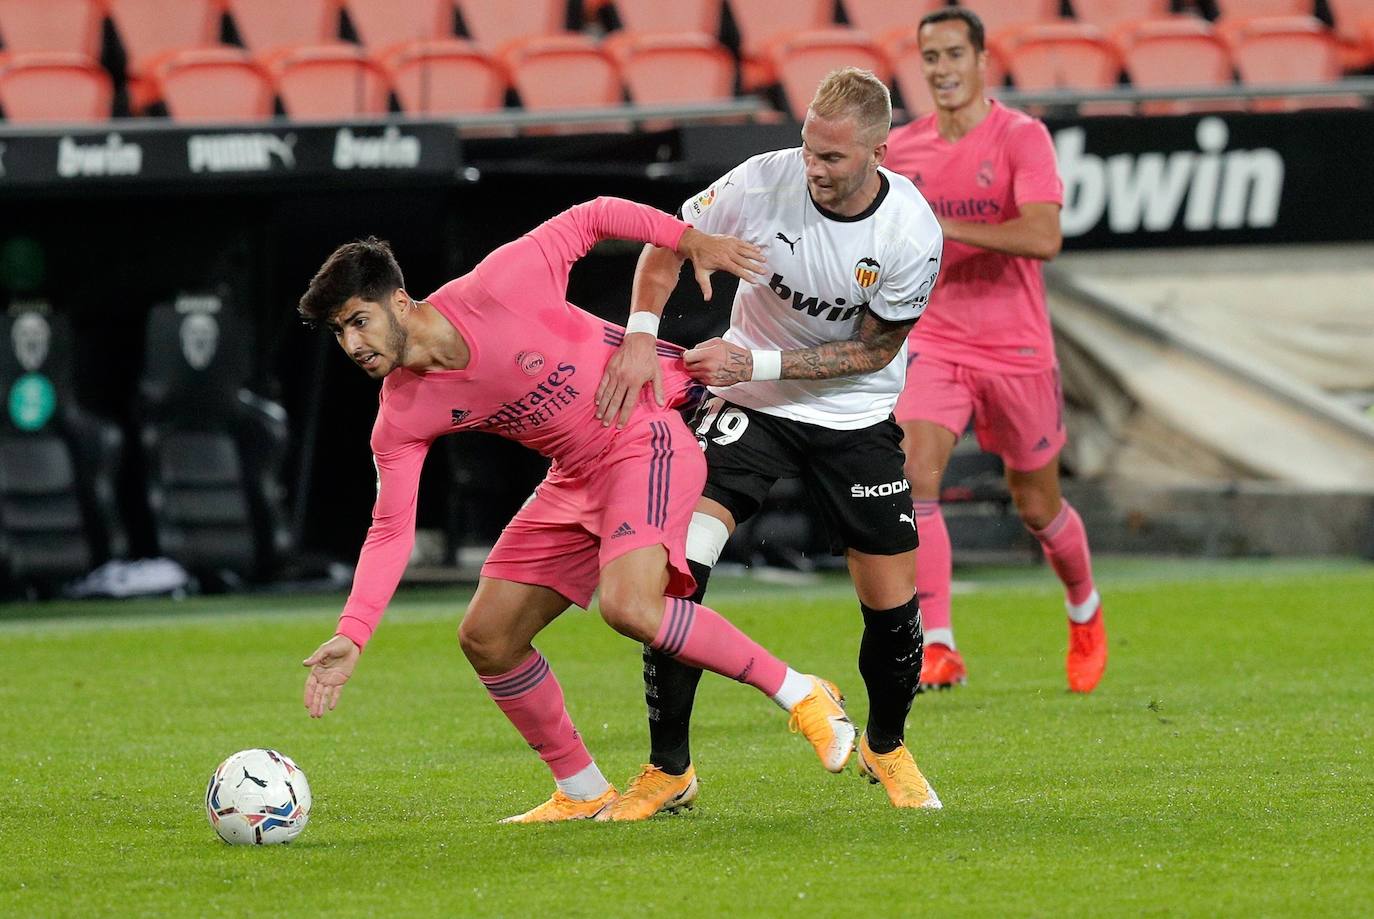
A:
(880, 153)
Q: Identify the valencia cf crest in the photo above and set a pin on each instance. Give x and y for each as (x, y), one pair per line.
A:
(866, 272)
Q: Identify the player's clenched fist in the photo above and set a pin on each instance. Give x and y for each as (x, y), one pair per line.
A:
(719, 363)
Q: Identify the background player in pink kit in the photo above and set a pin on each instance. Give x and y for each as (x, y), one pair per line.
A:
(501, 350)
(985, 350)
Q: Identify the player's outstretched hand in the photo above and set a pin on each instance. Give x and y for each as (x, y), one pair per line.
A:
(632, 365)
(719, 363)
(330, 667)
(710, 252)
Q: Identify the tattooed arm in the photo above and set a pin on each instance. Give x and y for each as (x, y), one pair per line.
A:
(874, 344)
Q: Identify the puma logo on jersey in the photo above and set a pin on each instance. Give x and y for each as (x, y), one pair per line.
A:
(791, 243)
(908, 518)
(812, 306)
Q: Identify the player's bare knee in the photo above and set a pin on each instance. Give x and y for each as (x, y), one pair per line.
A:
(1035, 509)
(629, 615)
(486, 649)
(924, 479)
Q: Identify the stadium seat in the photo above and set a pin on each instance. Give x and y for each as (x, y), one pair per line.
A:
(266, 25)
(1178, 53)
(383, 24)
(652, 65)
(559, 72)
(330, 81)
(58, 464)
(761, 22)
(1350, 18)
(52, 25)
(1109, 14)
(1238, 9)
(678, 16)
(802, 59)
(879, 17)
(445, 77)
(212, 449)
(149, 29)
(214, 84)
(491, 24)
(903, 50)
(1287, 49)
(1067, 56)
(55, 87)
(1004, 19)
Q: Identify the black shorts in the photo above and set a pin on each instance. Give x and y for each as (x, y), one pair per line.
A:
(854, 478)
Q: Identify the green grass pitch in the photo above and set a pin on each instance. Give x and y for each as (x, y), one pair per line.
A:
(1222, 768)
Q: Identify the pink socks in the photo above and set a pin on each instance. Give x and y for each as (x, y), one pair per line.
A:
(934, 567)
(700, 636)
(1066, 548)
(533, 701)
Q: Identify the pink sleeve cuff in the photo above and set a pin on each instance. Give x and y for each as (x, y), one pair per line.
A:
(354, 629)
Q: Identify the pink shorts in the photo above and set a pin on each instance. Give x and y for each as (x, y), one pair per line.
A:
(1018, 416)
(641, 492)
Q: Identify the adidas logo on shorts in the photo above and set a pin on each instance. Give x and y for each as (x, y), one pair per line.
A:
(623, 530)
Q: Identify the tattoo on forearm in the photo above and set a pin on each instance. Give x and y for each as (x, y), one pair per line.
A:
(875, 342)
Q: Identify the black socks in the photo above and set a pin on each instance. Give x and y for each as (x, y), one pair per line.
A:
(890, 657)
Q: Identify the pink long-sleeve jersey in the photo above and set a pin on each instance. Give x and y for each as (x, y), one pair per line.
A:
(535, 363)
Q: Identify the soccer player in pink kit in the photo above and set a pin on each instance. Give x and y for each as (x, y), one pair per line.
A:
(985, 349)
(501, 350)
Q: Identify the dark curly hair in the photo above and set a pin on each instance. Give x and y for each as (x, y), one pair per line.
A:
(365, 268)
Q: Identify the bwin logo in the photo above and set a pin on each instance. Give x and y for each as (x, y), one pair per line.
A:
(1225, 189)
(813, 306)
(879, 491)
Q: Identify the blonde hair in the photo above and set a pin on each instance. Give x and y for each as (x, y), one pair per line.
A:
(858, 94)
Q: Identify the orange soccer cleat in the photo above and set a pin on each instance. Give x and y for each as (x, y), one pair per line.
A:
(1087, 657)
(943, 668)
(561, 807)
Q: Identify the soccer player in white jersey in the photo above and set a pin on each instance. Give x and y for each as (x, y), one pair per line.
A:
(803, 384)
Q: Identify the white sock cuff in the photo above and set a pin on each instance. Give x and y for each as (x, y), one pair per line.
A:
(585, 784)
(706, 539)
(1083, 612)
(943, 636)
(795, 687)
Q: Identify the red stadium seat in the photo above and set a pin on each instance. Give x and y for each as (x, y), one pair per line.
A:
(52, 25)
(446, 77)
(560, 72)
(1003, 19)
(149, 29)
(265, 25)
(1350, 18)
(652, 65)
(1288, 49)
(761, 22)
(330, 82)
(802, 59)
(1067, 55)
(382, 24)
(678, 16)
(879, 17)
(903, 50)
(1237, 9)
(491, 24)
(214, 84)
(1178, 53)
(1108, 14)
(55, 86)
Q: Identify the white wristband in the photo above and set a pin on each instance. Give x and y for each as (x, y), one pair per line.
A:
(642, 321)
(767, 365)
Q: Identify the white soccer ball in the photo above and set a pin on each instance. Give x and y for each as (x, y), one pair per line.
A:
(256, 798)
